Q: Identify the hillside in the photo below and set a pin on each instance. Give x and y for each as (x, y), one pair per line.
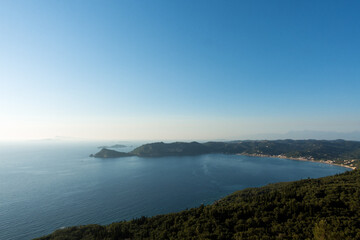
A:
(161, 149)
(335, 151)
(325, 208)
(108, 153)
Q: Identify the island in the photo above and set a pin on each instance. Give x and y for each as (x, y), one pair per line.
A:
(337, 152)
(324, 208)
(108, 153)
(114, 146)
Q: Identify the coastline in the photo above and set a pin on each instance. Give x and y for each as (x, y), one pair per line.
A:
(330, 162)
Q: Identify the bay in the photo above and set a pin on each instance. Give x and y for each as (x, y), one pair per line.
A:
(45, 186)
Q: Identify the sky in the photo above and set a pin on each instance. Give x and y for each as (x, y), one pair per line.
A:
(177, 70)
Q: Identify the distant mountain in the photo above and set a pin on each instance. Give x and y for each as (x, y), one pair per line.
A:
(335, 151)
(307, 134)
(114, 146)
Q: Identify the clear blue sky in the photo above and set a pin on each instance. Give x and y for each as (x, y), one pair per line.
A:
(178, 69)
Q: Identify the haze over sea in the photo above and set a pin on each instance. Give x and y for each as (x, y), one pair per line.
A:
(50, 185)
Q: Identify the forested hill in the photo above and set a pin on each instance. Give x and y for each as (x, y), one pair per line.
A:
(161, 149)
(325, 208)
(336, 151)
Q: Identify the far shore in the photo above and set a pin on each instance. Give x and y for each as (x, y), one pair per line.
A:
(330, 162)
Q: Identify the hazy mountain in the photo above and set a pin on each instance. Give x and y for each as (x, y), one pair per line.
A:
(308, 134)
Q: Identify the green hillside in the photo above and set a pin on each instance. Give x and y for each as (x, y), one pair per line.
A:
(108, 153)
(325, 208)
(161, 149)
(336, 151)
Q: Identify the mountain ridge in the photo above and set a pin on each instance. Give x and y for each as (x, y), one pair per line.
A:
(341, 152)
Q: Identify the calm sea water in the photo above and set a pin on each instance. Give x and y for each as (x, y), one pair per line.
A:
(46, 186)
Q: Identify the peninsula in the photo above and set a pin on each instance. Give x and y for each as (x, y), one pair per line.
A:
(337, 152)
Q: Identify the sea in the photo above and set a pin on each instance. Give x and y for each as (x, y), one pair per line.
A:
(49, 185)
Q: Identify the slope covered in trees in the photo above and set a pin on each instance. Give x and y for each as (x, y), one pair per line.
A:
(337, 151)
(108, 153)
(325, 208)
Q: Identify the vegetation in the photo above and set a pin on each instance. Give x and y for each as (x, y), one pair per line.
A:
(325, 208)
(107, 153)
(161, 149)
(337, 151)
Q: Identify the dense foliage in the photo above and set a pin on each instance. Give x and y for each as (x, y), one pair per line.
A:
(161, 149)
(338, 151)
(108, 153)
(325, 208)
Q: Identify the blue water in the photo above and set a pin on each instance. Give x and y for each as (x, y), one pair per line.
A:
(46, 186)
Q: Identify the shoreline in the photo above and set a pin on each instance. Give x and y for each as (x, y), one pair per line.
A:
(329, 162)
